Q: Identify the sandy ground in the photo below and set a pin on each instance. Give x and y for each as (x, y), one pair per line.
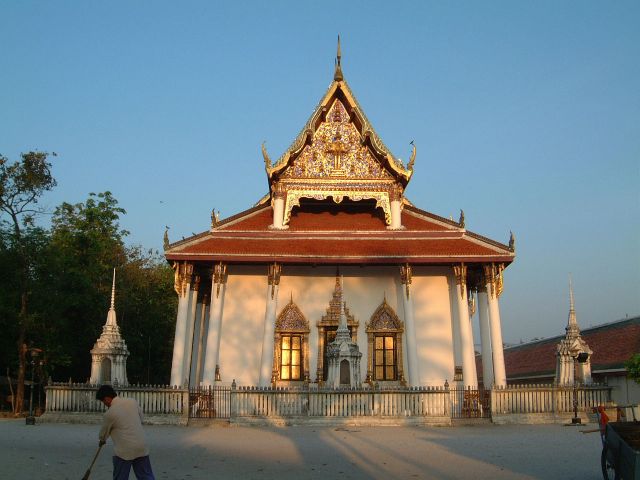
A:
(60, 451)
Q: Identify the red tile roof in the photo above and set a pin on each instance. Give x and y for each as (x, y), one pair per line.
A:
(328, 234)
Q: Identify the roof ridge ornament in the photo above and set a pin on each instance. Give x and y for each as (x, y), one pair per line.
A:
(413, 156)
(337, 76)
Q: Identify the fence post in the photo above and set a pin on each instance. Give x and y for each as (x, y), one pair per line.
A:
(185, 405)
(447, 399)
(232, 401)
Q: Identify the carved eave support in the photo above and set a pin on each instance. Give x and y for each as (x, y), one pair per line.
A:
(493, 275)
(219, 276)
(405, 276)
(274, 277)
(182, 277)
(460, 272)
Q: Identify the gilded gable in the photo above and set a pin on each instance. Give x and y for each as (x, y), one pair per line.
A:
(336, 150)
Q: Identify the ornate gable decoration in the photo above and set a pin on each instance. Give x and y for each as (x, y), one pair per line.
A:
(291, 319)
(336, 151)
(384, 319)
(338, 155)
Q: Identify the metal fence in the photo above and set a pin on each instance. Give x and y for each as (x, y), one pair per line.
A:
(231, 402)
(81, 398)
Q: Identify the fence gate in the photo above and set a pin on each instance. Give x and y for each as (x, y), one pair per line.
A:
(470, 403)
(210, 402)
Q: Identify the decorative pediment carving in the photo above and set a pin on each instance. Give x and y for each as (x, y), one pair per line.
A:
(384, 319)
(291, 319)
(336, 151)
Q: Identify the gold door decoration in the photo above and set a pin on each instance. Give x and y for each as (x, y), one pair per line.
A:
(291, 321)
(336, 164)
(385, 321)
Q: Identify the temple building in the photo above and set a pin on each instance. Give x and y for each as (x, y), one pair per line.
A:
(336, 265)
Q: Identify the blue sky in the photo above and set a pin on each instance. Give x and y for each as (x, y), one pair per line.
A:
(525, 114)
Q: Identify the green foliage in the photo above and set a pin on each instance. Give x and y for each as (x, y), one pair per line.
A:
(633, 367)
(68, 274)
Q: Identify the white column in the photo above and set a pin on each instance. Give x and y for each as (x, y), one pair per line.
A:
(278, 203)
(95, 370)
(469, 375)
(500, 376)
(202, 344)
(183, 289)
(485, 338)
(266, 362)
(410, 329)
(396, 215)
(191, 320)
(212, 349)
(195, 349)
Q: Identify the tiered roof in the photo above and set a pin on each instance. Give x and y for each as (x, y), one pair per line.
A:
(339, 181)
(339, 234)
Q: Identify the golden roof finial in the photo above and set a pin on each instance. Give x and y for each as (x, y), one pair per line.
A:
(337, 76)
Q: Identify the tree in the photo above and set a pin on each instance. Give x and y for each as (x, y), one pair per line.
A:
(87, 242)
(22, 183)
(633, 367)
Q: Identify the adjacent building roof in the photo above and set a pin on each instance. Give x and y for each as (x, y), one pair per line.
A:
(612, 344)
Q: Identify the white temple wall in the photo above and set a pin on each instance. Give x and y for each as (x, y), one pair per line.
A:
(243, 324)
(364, 290)
(433, 316)
(312, 288)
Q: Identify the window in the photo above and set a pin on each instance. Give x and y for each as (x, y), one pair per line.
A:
(384, 339)
(291, 346)
(385, 357)
(291, 357)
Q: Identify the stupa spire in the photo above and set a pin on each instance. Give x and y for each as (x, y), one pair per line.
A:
(572, 322)
(111, 315)
(113, 291)
(337, 76)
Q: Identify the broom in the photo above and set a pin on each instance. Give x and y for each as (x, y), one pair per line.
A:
(88, 472)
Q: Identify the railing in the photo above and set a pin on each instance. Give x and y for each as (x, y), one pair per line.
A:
(229, 402)
(284, 402)
(548, 398)
(210, 402)
(470, 403)
(81, 398)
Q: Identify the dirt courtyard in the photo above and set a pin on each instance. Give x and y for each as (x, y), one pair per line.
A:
(62, 451)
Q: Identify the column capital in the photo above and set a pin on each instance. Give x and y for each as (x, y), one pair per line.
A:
(395, 192)
(279, 191)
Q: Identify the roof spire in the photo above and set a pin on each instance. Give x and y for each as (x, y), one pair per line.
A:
(337, 76)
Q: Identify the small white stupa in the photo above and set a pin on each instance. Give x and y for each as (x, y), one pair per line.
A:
(343, 355)
(573, 355)
(109, 354)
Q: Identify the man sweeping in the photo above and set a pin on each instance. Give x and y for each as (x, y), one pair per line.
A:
(123, 422)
